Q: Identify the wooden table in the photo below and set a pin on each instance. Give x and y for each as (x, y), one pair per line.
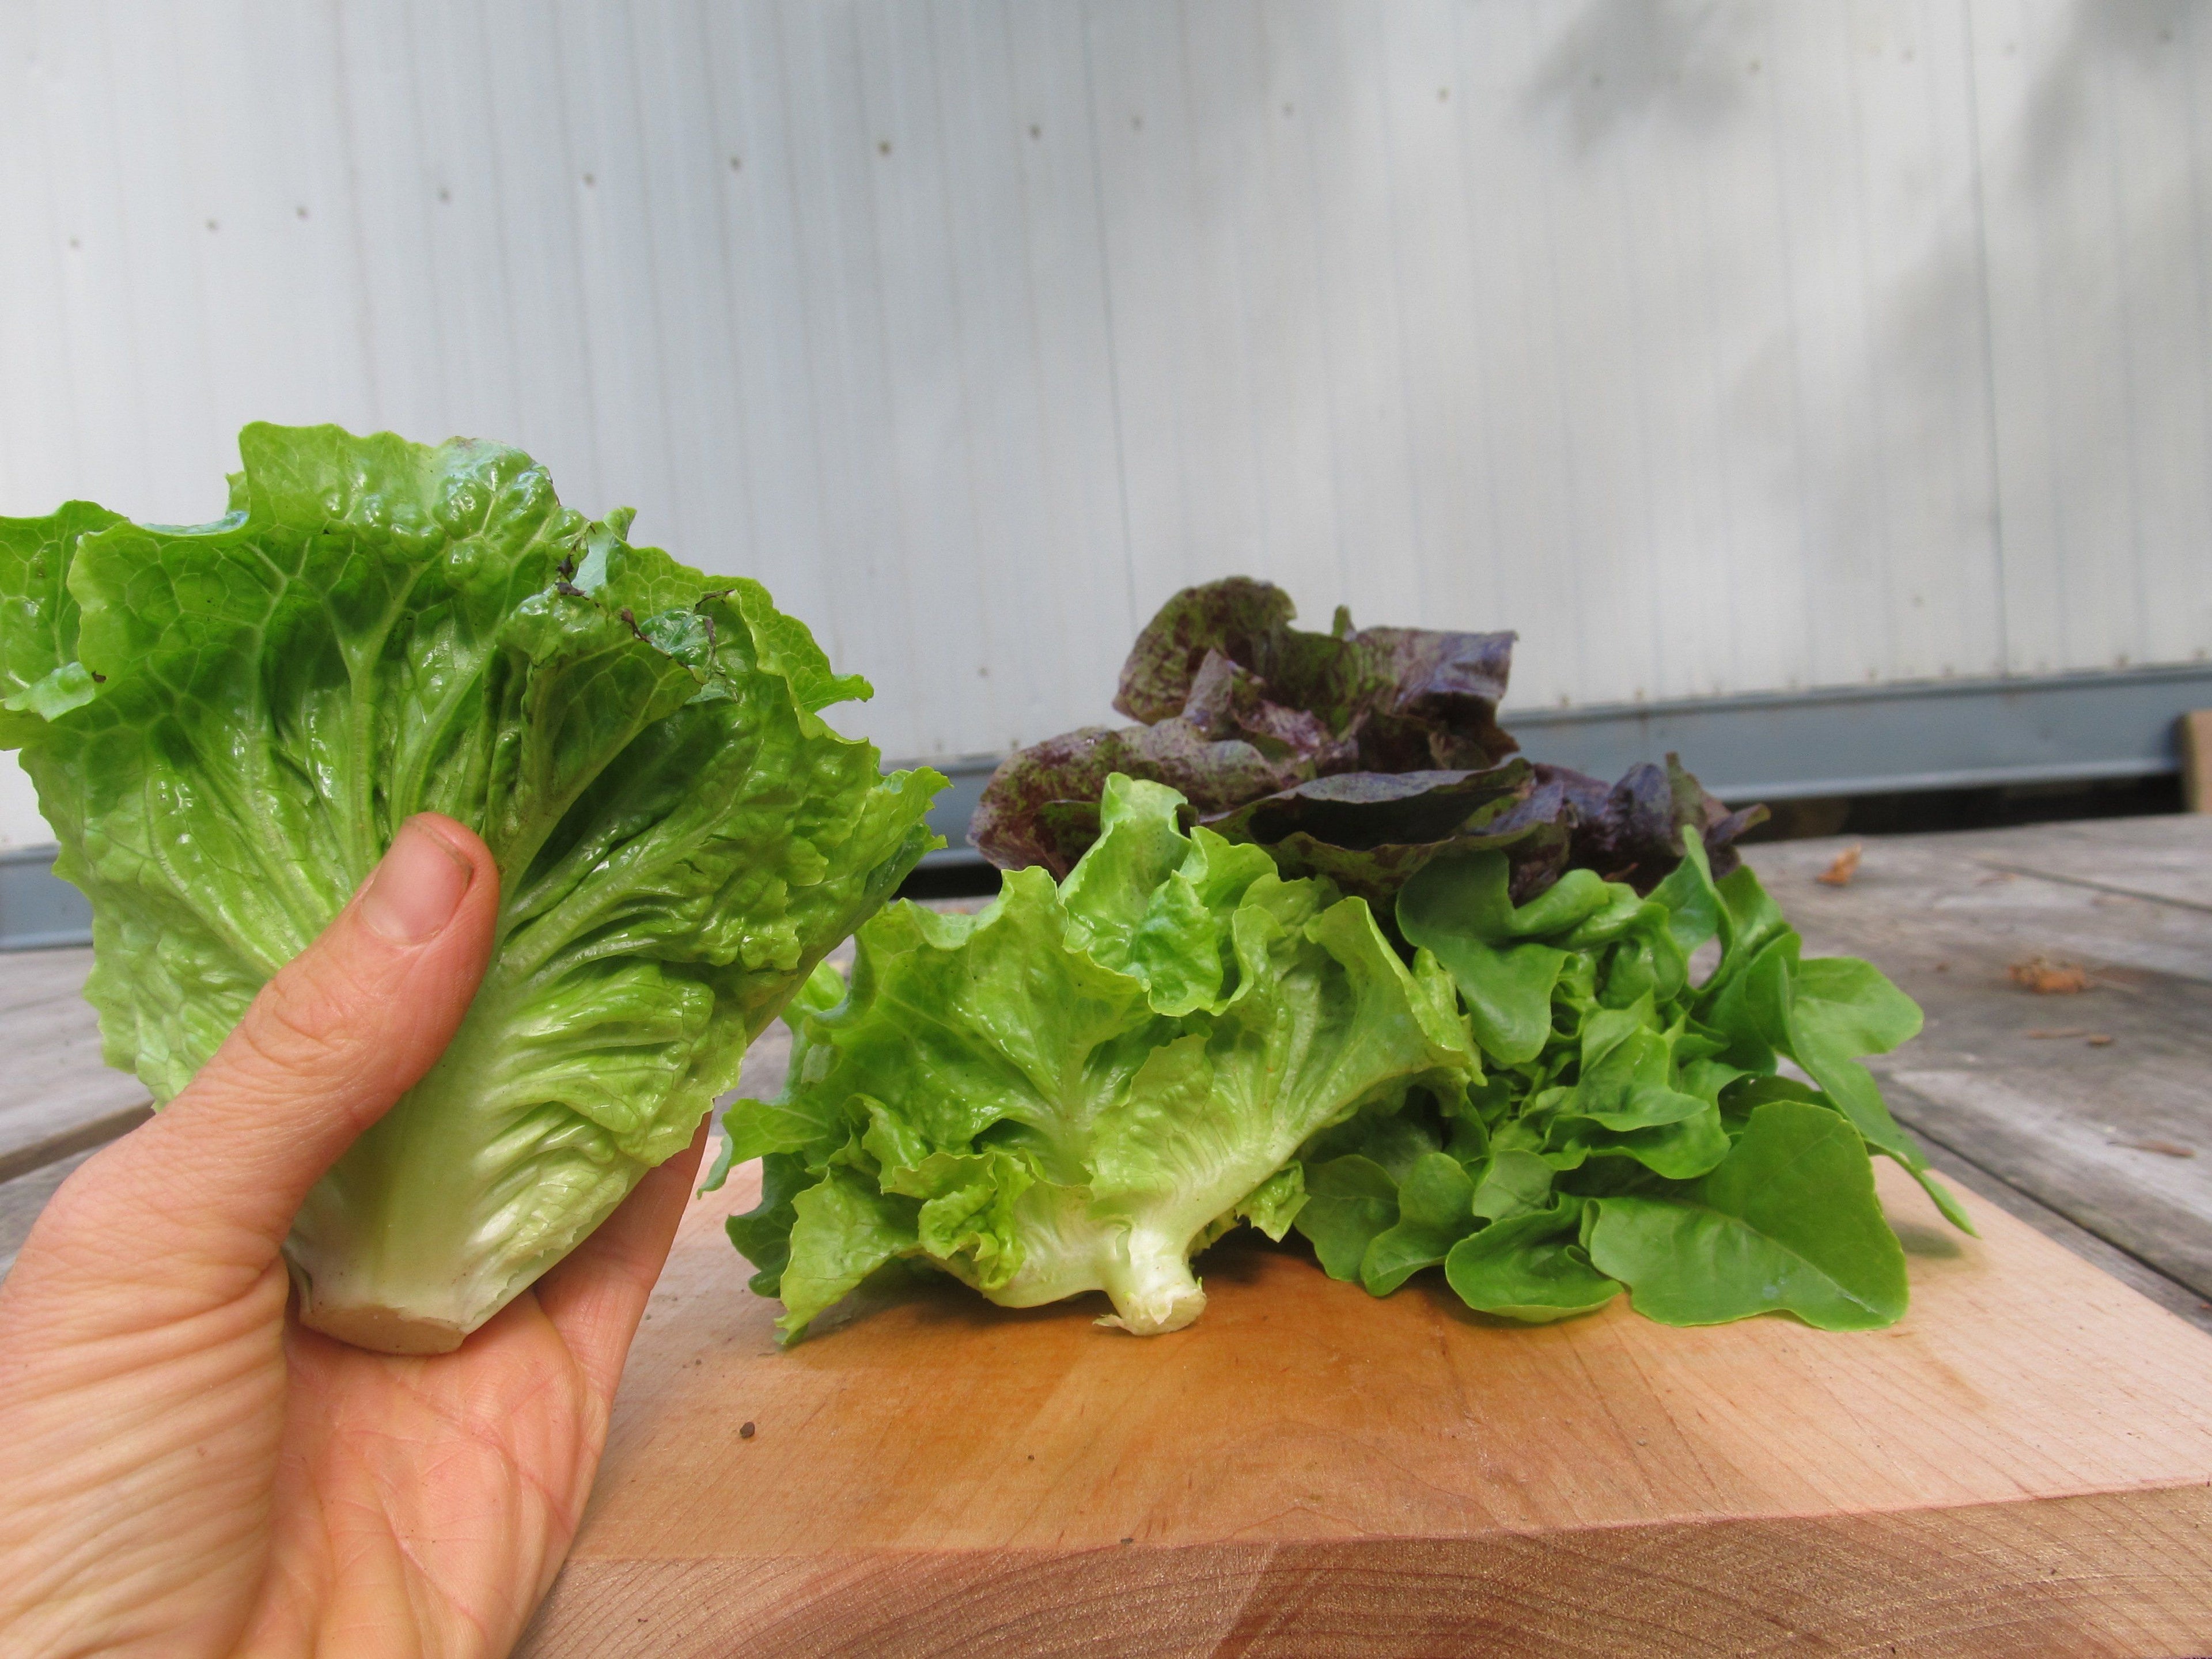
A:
(2106, 1145)
(58, 1103)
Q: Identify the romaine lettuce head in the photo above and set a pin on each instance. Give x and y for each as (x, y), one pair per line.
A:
(1084, 1085)
(226, 724)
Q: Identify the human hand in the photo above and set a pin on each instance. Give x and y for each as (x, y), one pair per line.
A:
(184, 1469)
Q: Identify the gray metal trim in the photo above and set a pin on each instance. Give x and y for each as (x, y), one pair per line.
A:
(955, 806)
(1859, 740)
(37, 909)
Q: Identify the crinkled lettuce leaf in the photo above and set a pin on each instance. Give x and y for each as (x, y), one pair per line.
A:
(228, 723)
(1236, 705)
(1080, 1086)
(1358, 755)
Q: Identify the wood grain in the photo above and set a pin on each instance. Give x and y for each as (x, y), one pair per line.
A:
(57, 1098)
(2098, 1105)
(2159, 857)
(2193, 738)
(2024, 1466)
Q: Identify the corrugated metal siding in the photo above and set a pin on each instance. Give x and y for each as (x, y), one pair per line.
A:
(1718, 347)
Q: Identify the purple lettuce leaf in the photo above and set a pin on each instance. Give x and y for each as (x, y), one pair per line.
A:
(1238, 705)
(1633, 831)
(1370, 831)
(1238, 618)
(1041, 806)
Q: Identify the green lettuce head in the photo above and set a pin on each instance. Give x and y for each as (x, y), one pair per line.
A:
(228, 723)
(1085, 1084)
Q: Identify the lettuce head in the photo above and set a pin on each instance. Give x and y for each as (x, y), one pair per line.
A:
(228, 723)
(1087, 1083)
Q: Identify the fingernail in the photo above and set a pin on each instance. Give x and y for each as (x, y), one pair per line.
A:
(417, 886)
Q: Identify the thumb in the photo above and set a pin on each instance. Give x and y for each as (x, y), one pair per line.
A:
(207, 1188)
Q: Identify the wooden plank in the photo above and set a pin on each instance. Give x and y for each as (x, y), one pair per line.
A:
(1311, 1471)
(2109, 1134)
(57, 1097)
(2168, 858)
(2136, 1273)
(2194, 739)
(1920, 899)
(45, 1120)
(83, 1136)
(24, 1196)
(31, 977)
(2133, 1167)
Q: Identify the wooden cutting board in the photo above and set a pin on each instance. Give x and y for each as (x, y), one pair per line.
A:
(2023, 1466)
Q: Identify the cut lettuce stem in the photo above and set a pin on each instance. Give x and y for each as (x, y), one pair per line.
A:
(1149, 1281)
(453, 1202)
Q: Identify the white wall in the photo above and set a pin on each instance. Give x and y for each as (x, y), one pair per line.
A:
(1716, 346)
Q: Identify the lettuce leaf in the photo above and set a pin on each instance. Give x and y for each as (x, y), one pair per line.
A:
(1359, 756)
(1087, 1083)
(1236, 705)
(1633, 1128)
(228, 723)
(1787, 1219)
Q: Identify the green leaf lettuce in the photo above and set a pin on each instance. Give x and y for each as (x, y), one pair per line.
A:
(1084, 1085)
(1633, 1128)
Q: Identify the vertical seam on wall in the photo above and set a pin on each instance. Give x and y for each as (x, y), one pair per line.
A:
(584, 353)
(1557, 417)
(809, 349)
(1408, 443)
(1106, 297)
(1329, 326)
(920, 705)
(1262, 550)
(1018, 108)
(2004, 663)
(2132, 447)
(721, 127)
(419, 222)
(1882, 659)
(499, 224)
(1807, 560)
(131, 332)
(971, 465)
(1492, 562)
(2197, 238)
(656, 318)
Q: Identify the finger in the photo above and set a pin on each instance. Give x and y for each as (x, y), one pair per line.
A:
(596, 1298)
(328, 1045)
